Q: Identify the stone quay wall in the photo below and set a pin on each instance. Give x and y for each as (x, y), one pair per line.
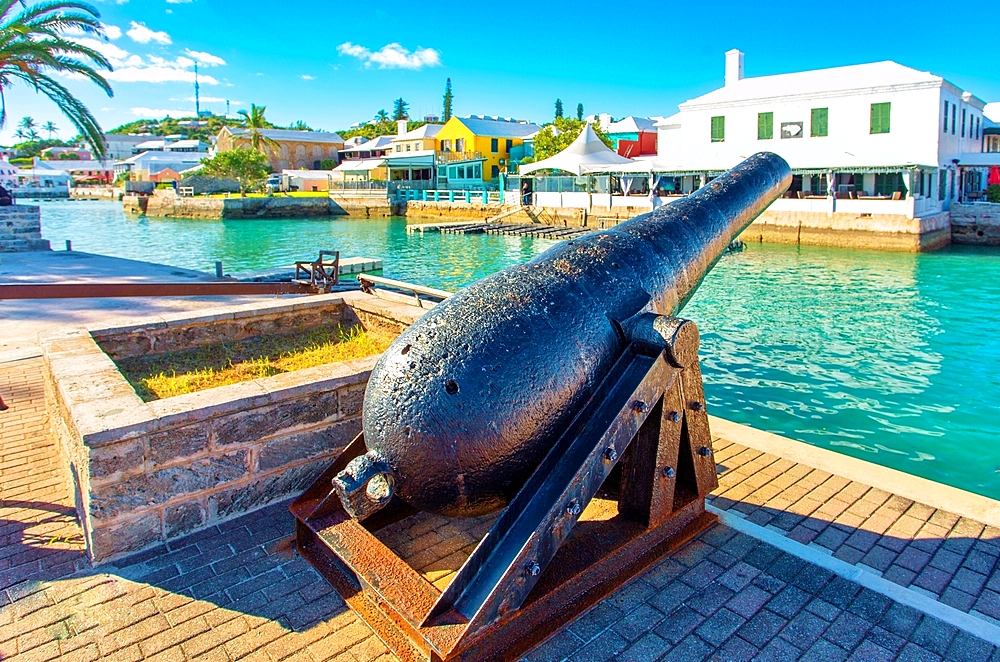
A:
(145, 473)
(888, 232)
(976, 223)
(21, 229)
(166, 203)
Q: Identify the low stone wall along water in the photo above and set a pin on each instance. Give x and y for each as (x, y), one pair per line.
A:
(21, 229)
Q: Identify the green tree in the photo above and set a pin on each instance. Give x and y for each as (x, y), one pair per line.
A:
(993, 193)
(559, 108)
(549, 143)
(34, 48)
(448, 99)
(247, 166)
(50, 128)
(300, 126)
(255, 122)
(382, 116)
(400, 109)
(579, 111)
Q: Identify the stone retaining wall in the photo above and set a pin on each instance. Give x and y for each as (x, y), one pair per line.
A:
(976, 223)
(21, 229)
(879, 232)
(144, 473)
(165, 203)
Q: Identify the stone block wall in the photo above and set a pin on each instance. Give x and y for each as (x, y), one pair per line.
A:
(976, 223)
(21, 229)
(144, 473)
(877, 232)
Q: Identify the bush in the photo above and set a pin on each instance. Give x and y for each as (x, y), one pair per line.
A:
(328, 164)
(993, 193)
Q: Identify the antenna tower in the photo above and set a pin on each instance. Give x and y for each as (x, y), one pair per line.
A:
(197, 101)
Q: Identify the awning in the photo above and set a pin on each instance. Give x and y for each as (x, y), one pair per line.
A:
(364, 165)
(588, 151)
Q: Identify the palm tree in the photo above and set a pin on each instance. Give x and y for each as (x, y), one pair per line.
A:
(381, 116)
(33, 47)
(254, 123)
(50, 128)
(27, 124)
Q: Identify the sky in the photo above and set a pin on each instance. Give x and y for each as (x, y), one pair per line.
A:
(331, 64)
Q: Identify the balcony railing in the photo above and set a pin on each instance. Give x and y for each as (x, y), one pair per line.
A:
(450, 157)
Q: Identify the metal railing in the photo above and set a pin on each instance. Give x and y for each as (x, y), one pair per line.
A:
(483, 197)
(370, 185)
(449, 157)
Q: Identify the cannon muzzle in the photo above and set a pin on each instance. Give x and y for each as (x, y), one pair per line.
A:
(465, 403)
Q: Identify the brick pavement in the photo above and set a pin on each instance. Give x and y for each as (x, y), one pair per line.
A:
(238, 592)
(949, 558)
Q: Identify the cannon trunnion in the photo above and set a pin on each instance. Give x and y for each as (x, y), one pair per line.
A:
(565, 392)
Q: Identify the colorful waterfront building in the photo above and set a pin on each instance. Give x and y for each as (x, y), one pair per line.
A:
(296, 149)
(421, 139)
(630, 136)
(481, 146)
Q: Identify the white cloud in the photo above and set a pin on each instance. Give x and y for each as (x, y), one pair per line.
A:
(165, 73)
(205, 58)
(307, 77)
(158, 113)
(108, 50)
(112, 31)
(178, 2)
(392, 56)
(140, 33)
(132, 68)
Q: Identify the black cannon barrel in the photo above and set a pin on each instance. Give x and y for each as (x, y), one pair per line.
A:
(466, 402)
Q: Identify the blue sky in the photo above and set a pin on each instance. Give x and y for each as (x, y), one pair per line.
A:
(332, 64)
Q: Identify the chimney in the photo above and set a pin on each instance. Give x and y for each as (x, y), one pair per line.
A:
(734, 66)
(400, 127)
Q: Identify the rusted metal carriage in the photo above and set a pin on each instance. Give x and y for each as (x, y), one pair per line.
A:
(563, 393)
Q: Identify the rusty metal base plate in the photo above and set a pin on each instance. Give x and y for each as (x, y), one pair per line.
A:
(371, 566)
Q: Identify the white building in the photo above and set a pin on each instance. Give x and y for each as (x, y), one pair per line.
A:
(879, 130)
(141, 166)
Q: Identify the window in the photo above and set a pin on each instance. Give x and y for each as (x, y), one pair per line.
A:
(494, 171)
(765, 126)
(718, 129)
(944, 129)
(478, 172)
(494, 146)
(888, 183)
(399, 147)
(954, 112)
(468, 172)
(510, 143)
(880, 117)
(977, 128)
(460, 144)
(818, 123)
(818, 185)
(963, 122)
(446, 145)
(407, 147)
(942, 184)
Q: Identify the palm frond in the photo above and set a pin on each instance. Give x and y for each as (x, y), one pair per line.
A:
(74, 110)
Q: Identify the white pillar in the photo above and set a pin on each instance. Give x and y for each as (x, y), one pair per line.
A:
(908, 181)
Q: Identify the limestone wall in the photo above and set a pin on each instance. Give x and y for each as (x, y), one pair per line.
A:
(21, 229)
(134, 204)
(879, 232)
(976, 223)
(145, 473)
(165, 203)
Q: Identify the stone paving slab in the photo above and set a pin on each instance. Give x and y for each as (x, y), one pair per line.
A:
(238, 591)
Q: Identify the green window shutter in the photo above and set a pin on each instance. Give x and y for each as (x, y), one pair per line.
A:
(765, 126)
(880, 117)
(718, 129)
(818, 127)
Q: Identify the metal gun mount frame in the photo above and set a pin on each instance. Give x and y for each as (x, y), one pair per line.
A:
(643, 439)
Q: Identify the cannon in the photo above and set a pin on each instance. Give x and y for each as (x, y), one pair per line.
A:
(529, 392)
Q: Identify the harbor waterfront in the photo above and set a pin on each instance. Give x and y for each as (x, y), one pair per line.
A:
(870, 354)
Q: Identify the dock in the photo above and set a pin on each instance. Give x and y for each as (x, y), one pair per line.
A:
(509, 229)
(348, 266)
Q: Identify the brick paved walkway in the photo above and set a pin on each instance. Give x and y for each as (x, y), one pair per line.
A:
(238, 591)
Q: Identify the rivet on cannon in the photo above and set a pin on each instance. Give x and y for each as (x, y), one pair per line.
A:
(696, 406)
(573, 508)
(532, 569)
(705, 451)
(639, 406)
(675, 416)
(610, 455)
(669, 473)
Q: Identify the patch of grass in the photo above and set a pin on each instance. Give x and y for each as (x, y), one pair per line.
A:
(200, 368)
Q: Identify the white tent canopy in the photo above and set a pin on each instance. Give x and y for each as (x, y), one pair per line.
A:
(585, 153)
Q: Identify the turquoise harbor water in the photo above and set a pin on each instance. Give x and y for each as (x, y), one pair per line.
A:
(893, 358)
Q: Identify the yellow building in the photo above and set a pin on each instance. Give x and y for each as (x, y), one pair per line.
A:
(296, 149)
(421, 139)
(479, 139)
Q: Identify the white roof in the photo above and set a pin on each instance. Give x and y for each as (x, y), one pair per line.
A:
(425, 131)
(181, 144)
(587, 151)
(153, 144)
(992, 111)
(817, 81)
(69, 165)
(360, 166)
(378, 142)
(631, 124)
(292, 135)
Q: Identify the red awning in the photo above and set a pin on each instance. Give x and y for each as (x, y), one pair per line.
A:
(994, 177)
